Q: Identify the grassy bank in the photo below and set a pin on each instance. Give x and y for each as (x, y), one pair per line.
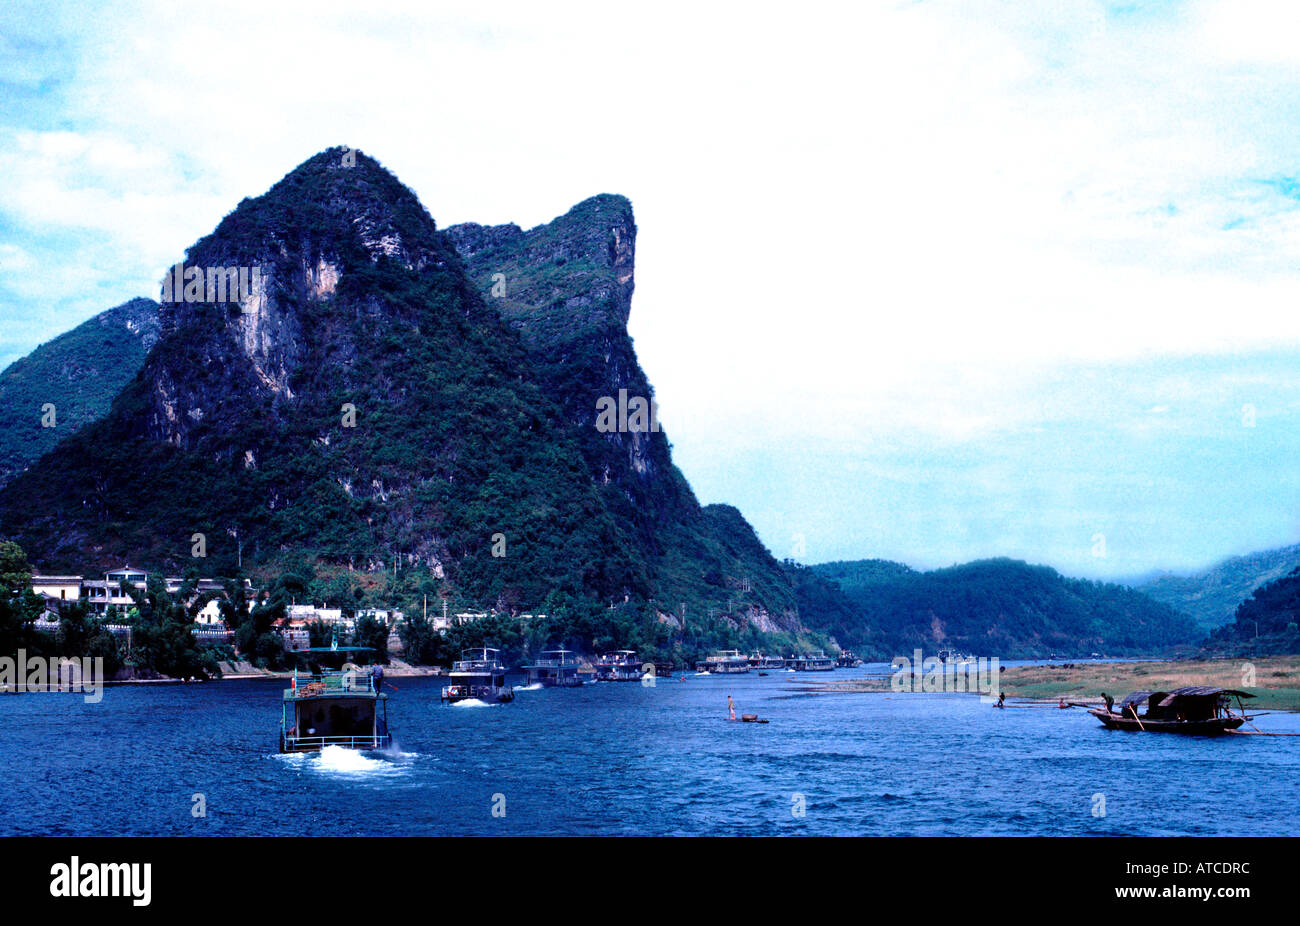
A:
(1277, 679)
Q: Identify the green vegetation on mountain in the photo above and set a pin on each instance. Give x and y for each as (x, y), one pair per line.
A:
(1266, 623)
(997, 607)
(1211, 597)
(78, 373)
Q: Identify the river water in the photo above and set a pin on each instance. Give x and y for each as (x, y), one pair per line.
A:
(623, 758)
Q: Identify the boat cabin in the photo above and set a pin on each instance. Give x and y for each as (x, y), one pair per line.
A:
(618, 666)
(725, 662)
(555, 668)
(816, 662)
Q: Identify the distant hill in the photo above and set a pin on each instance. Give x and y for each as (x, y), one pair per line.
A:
(79, 373)
(1211, 597)
(1267, 622)
(996, 607)
(855, 575)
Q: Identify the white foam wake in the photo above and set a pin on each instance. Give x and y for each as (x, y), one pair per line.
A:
(341, 759)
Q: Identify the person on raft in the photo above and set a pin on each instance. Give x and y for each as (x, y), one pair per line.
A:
(1002, 699)
(731, 708)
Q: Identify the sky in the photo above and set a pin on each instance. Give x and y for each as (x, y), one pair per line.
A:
(927, 281)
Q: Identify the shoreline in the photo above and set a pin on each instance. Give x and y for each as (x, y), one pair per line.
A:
(1273, 680)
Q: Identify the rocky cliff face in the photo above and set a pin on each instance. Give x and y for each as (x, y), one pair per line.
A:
(567, 287)
(381, 390)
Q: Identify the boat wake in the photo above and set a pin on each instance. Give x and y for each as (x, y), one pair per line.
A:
(702, 674)
(339, 759)
(536, 686)
(473, 702)
(343, 761)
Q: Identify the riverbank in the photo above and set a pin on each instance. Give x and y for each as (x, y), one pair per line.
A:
(1276, 679)
(244, 670)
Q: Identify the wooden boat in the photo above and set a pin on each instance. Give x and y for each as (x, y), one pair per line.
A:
(1192, 711)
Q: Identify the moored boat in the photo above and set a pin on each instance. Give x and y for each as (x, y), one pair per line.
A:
(724, 662)
(618, 666)
(478, 674)
(555, 668)
(815, 662)
(1192, 711)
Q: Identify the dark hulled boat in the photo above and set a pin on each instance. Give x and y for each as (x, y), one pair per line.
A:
(334, 707)
(478, 674)
(1193, 711)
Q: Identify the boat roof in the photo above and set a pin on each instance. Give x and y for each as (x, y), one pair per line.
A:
(1135, 698)
(1165, 698)
(1202, 691)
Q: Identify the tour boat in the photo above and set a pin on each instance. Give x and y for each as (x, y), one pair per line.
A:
(334, 707)
(555, 668)
(724, 662)
(478, 674)
(817, 662)
(619, 666)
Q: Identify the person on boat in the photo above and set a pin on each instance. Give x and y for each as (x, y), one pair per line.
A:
(1110, 703)
(1002, 699)
(379, 677)
(731, 708)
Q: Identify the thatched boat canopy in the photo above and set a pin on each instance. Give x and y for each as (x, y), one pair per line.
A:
(1202, 691)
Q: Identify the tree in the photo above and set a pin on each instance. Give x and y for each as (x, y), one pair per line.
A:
(374, 634)
(15, 573)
